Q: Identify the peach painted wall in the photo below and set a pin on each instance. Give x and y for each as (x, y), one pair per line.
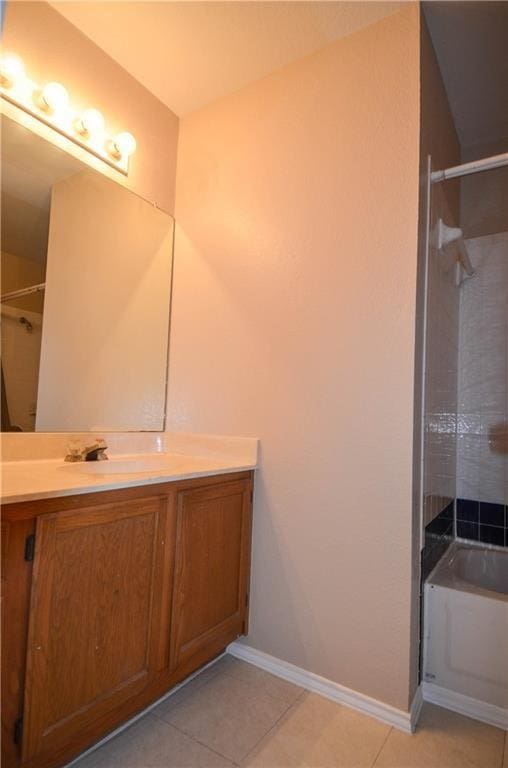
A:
(293, 320)
(53, 49)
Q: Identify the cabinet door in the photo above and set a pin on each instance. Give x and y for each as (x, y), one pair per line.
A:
(212, 568)
(99, 613)
(16, 581)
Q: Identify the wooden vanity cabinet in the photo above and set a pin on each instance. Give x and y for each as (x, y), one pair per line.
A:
(211, 590)
(118, 596)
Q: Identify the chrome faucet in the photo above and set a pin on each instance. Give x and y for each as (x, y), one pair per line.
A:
(95, 451)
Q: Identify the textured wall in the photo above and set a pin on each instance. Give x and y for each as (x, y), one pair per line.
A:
(293, 320)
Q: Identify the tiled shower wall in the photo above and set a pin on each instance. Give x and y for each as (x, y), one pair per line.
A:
(482, 425)
(466, 416)
(441, 370)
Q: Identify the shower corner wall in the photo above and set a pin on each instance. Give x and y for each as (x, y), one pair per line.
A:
(466, 373)
(436, 402)
(461, 423)
(482, 423)
(441, 383)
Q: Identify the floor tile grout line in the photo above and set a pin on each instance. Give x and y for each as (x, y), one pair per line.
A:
(382, 746)
(238, 679)
(150, 710)
(187, 691)
(201, 743)
(275, 724)
(271, 695)
(244, 757)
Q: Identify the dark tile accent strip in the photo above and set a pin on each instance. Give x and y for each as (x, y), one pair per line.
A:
(482, 521)
(467, 530)
(491, 534)
(492, 514)
(440, 526)
(467, 509)
(438, 535)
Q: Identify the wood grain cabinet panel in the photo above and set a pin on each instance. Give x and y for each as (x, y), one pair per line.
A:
(212, 566)
(95, 622)
(127, 593)
(16, 585)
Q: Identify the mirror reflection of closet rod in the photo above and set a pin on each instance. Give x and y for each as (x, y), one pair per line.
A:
(22, 292)
(475, 166)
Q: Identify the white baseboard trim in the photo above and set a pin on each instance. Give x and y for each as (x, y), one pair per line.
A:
(403, 721)
(465, 705)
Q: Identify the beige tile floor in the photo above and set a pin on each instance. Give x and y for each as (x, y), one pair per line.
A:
(234, 714)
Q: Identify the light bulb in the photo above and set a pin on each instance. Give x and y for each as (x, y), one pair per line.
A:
(124, 144)
(54, 97)
(12, 69)
(91, 122)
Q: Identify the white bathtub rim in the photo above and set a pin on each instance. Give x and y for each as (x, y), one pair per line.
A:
(461, 585)
(465, 705)
(479, 544)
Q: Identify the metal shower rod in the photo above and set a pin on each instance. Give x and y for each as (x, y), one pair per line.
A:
(485, 164)
(22, 292)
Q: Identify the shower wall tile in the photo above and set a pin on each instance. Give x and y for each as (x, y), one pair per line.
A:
(480, 521)
(492, 514)
(441, 375)
(468, 510)
(467, 530)
(482, 464)
(491, 534)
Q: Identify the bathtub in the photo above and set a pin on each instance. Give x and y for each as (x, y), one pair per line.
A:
(465, 643)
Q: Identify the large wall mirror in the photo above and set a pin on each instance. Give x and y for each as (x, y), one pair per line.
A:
(86, 288)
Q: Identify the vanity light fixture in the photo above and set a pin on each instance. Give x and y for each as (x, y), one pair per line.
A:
(51, 105)
(123, 144)
(12, 69)
(53, 98)
(91, 122)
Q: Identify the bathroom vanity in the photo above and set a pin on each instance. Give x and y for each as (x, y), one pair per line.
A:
(119, 578)
(111, 598)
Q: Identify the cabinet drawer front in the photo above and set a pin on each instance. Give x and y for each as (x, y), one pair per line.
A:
(99, 596)
(212, 565)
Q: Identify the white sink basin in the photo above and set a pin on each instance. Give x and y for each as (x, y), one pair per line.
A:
(122, 466)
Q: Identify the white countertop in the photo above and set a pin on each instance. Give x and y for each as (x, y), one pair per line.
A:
(48, 478)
